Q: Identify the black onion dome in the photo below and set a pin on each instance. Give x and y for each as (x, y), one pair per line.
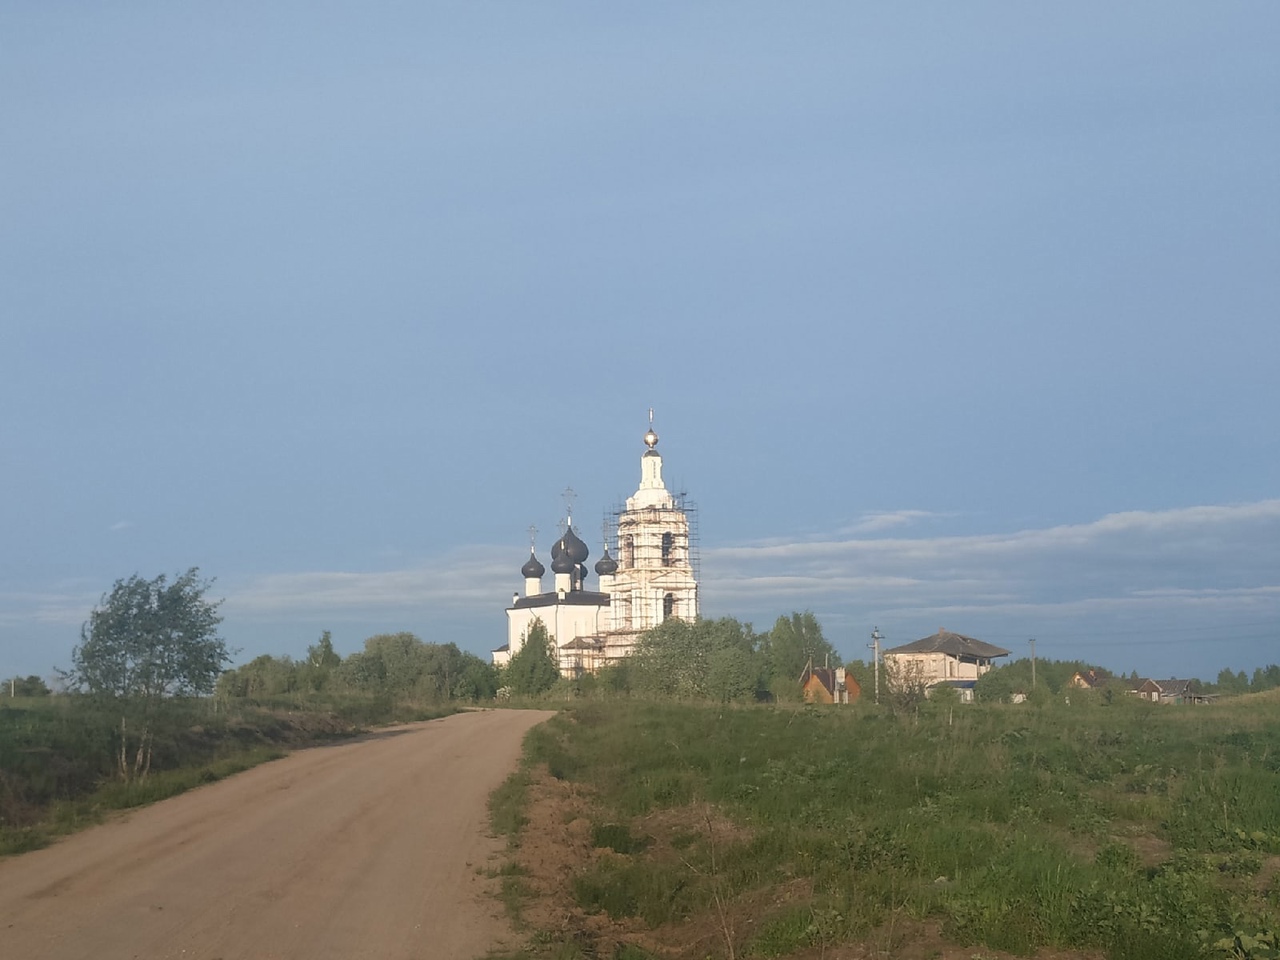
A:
(606, 566)
(562, 562)
(574, 546)
(533, 569)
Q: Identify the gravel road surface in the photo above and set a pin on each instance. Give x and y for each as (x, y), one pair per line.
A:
(373, 848)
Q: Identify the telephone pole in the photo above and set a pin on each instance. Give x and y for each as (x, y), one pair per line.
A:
(875, 645)
(1033, 663)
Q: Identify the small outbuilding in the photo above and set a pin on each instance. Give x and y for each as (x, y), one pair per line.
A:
(829, 685)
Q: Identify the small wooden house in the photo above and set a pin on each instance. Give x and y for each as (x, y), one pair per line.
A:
(829, 685)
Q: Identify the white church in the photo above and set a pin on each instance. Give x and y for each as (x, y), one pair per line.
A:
(651, 578)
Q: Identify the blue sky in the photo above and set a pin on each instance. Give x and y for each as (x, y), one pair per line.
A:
(952, 315)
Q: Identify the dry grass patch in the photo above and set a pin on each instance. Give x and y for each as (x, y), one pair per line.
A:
(560, 844)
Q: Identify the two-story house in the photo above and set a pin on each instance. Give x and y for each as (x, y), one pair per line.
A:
(943, 658)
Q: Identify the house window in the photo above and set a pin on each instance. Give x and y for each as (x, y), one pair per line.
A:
(666, 549)
(668, 606)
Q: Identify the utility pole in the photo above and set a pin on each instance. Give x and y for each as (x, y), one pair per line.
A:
(875, 645)
(1033, 663)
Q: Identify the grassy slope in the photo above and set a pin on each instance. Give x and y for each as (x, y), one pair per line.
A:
(58, 755)
(1140, 830)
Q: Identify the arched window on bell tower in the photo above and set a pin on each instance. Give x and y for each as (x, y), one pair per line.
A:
(668, 606)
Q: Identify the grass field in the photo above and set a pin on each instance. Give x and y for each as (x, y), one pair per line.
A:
(1127, 831)
(59, 755)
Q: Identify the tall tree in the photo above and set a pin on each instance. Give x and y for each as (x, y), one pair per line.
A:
(1232, 683)
(475, 679)
(322, 660)
(793, 642)
(148, 640)
(533, 668)
(401, 657)
(708, 659)
(151, 639)
(1265, 678)
(31, 686)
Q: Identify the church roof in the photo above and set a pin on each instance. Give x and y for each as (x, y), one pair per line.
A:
(561, 560)
(606, 566)
(576, 598)
(574, 546)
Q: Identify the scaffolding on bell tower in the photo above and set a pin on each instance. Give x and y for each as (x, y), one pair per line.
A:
(650, 553)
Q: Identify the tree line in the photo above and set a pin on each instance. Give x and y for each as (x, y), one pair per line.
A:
(390, 665)
(724, 660)
(148, 640)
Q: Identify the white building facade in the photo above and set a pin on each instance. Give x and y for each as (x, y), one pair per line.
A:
(648, 577)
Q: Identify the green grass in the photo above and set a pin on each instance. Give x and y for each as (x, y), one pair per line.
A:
(506, 805)
(1139, 830)
(59, 755)
(67, 816)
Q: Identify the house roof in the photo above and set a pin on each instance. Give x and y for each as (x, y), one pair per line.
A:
(954, 644)
(1089, 679)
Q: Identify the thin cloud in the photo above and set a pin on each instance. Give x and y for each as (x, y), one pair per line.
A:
(59, 607)
(1220, 559)
(886, 520)
(468, 580)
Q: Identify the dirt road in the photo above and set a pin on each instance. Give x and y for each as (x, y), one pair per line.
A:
(368, 849)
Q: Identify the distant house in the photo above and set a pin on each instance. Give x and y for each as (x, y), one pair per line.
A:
(945, 658)
(1145, 689)
(829, 685)
(1088, 680)
(1169, 691)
